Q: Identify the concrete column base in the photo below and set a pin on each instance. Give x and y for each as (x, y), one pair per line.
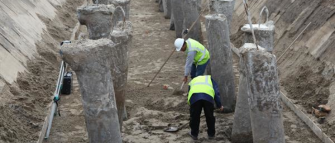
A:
(89, 59)
(121, 35)
(242, 131)
(221, 62)
(265, 107)
(98, 20)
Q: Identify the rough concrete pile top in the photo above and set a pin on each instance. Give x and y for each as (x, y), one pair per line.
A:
(122, 29)
(120, 1)
(251, 46)
(111, 1)
(104, 9)
(220, 17)
(222, 0)
(82, 51)
(269, 26)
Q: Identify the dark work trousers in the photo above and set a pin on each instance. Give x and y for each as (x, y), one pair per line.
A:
(197, 70)
(195, 112)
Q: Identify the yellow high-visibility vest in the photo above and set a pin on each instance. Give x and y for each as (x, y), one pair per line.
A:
(202, 55)
(201, 84)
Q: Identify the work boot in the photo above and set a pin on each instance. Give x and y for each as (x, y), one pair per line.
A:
(193, 137)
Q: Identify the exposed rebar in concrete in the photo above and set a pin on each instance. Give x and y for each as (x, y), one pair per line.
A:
(191, 13)
(119, 15)
(221, 58)
(89, 59)
(98, 20)
(167, 8)
(119, 64)
(225, 7)
(125, 4)
(265, 107)
(242, 132)
(178, 17)
(264, 34)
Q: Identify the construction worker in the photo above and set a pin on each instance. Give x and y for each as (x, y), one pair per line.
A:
(197, 57)
(203, 91)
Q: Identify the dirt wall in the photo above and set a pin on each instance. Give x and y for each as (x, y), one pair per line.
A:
(30, 33)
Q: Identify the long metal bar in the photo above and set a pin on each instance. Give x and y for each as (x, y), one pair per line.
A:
(174, 50)
(246, 8)
(56, 96)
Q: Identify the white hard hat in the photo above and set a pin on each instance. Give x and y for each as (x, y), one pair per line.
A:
(178, 43)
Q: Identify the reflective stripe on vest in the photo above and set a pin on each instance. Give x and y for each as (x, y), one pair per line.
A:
(190, 48)
(201, 84)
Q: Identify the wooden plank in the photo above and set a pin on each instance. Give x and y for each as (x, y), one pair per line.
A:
(315, 128)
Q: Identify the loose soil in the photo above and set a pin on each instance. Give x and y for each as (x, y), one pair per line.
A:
(26, 101)
(152, 109)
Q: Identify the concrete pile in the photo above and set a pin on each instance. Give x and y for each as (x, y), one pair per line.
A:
(225, 7)
(119, 64)
(242, 131)
(98, 20)
(167, 8)
(191, 12)
(183, 14)
(121, 9)
(89, 59)
(101, 63)
(221, 58)
(263, 85)
(261, 121)
(177, 17)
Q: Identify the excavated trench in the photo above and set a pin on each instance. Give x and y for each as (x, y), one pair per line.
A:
(307, 77)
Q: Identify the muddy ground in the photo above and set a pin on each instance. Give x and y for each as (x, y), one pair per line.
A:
(151, 109)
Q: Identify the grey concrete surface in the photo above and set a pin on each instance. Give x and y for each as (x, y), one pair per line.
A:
(98, 20)
(125, 4)
(225, 7)
(119, 64)
(264, 96)
(167, 8)
(264, 34)
(89, 59)
(242, 131)
(172, 22)
(221, 58)
(160, 6)
(191, 13)
(178, 17)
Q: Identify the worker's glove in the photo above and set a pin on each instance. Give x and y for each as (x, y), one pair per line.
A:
(224, 110)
